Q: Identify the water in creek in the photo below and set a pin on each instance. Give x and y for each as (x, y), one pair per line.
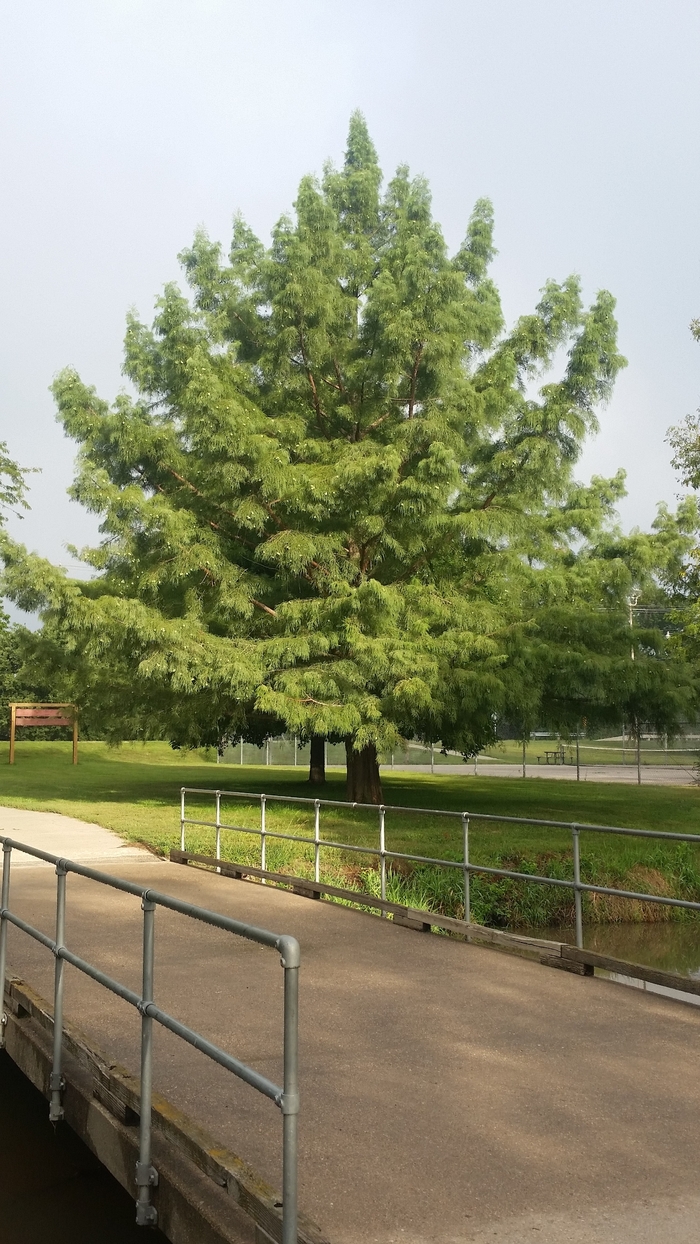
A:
(52, 1189)
(670, 946)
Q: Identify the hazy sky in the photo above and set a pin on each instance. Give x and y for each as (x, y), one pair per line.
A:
(125, 124)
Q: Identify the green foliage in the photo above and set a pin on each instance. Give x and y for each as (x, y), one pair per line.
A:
(685, 443)
(341, 500)
(13, 483)
(16, 681)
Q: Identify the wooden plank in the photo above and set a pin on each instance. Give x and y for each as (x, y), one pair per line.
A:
(24, 718)
(41, 714)
(567, 965)
(309, 888)
(420, 926)
(485, 936)
(638, 971)
(45, 714)
(409, 917)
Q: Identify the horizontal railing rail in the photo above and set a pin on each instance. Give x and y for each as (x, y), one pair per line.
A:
(285, 1096)
(466, 865)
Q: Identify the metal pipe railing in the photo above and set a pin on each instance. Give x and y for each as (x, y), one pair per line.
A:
(467, 866)
(286, 1097)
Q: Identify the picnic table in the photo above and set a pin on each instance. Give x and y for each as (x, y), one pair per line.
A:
(556, 757)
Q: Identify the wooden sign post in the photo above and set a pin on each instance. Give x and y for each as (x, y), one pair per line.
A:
(28, 714)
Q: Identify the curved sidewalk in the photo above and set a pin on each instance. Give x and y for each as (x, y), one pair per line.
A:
(64, 835)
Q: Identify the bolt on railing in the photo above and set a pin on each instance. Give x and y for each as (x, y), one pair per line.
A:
(286, 1097)
(577, 886)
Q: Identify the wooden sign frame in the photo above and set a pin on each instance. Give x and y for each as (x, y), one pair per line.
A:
(50, 719)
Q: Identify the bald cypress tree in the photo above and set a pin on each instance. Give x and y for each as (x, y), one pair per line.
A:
(318, 506)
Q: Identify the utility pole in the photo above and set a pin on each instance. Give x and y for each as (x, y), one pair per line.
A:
(633, 601)
(578, 760)
(632, 606)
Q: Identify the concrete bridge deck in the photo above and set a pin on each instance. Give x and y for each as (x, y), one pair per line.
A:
(449, 1092)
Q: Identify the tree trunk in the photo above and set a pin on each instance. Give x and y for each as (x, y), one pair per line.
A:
(317, 764)
(363, 780)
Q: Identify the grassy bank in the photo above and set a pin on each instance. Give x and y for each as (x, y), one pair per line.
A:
(134, 790)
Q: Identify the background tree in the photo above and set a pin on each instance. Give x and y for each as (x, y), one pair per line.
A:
(321, 505)
(16, 681)
(685, 443)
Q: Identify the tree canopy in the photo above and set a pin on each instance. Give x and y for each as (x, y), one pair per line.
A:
(339, 498)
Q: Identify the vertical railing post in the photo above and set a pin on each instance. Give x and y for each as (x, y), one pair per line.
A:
(218, 828)
(382, 854)
(146, 1175)
(263, 831)
(578, 901)
(56, 1082)
(182, 818)
(290, 1101)
(317, 837)
(4, 903)
(465, 841)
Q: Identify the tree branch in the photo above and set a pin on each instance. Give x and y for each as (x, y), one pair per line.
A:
(320, 413)
(265, 608)
(377, 422)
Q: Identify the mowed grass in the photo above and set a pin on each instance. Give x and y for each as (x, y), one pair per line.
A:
(134, 790)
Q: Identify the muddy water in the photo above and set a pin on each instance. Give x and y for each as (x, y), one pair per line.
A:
(669, 946)
(52, 1189)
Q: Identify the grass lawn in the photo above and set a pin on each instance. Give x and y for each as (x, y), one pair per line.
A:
(134, 790)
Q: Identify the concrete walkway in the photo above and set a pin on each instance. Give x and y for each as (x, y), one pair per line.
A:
(64, 835)
(451, 1094)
